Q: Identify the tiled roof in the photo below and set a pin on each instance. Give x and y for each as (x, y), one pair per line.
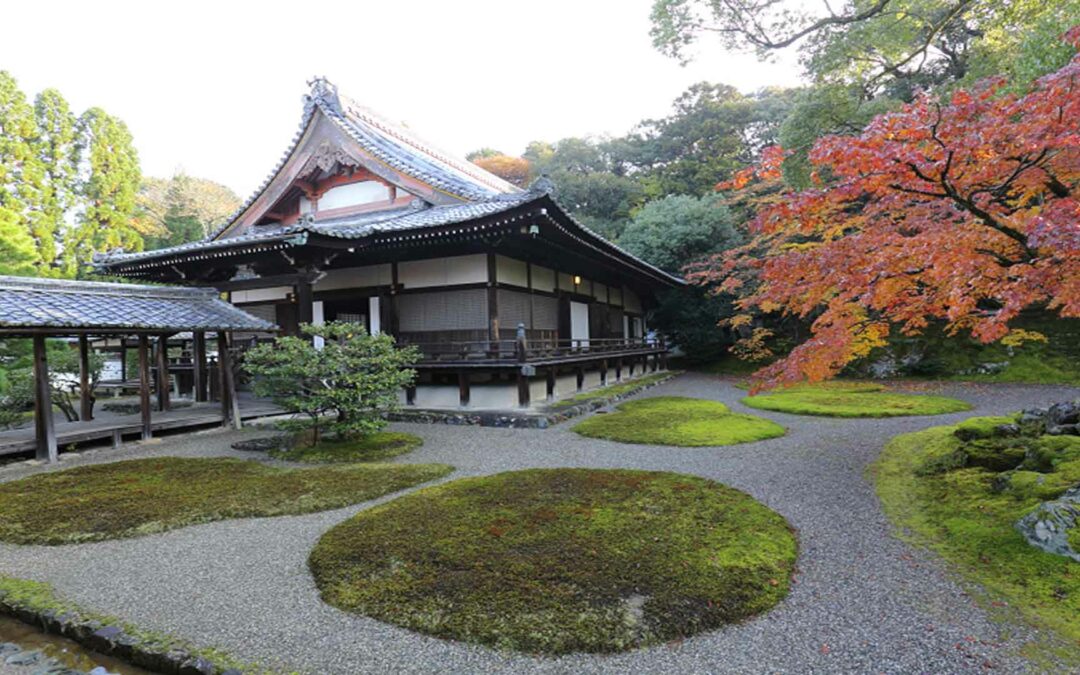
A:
(30, 303)
(390, 143)
(346, 227)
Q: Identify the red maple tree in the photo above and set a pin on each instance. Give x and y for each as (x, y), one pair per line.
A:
(962, 211)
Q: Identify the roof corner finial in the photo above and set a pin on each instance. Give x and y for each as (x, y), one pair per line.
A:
(542, 185)
(324, 91)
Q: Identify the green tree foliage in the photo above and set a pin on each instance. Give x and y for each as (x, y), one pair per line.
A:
(109, 189)
(587, 181)
(183, 208)
(712, 132)
(56, 151)
(671, 233)
(674, 231)
(17, 379)
(20, 178)
(353, 378)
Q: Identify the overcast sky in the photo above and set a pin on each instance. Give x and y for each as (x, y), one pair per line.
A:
(214, 88)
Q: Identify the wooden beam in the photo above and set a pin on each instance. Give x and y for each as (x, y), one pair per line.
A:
(144, 386)
(230, 406)
(43, 417)
(198, 358)
(258, 282)
(86, 401)
(163, 373)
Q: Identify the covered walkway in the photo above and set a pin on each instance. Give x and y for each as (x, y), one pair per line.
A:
(48, 308)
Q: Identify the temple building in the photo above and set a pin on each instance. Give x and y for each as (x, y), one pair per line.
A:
(511, 301)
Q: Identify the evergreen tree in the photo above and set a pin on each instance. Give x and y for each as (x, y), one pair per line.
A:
(111, 167)
(56, 150)
(20, 175)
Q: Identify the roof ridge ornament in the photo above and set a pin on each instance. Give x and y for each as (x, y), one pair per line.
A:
(542, 185)
(325, 92)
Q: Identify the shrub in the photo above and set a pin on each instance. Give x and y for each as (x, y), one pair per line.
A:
(353, 377)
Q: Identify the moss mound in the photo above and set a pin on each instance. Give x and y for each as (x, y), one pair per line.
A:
(675, 420)
(852, 399)
(961, 489)
(560, 560)
(371, 448)
(142, 496)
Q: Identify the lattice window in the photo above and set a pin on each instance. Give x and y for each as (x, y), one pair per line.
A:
(449, 310)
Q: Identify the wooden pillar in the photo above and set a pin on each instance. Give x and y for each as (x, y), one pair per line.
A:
(618, 369)
(123, 359)
(86, 402)
(163, 372)
(230, 405)
(552, 377)
(144, 386)
(410, 395)
(524, 394)
(463, 388)
(580, 370)
(305, 304)
(43, 417)
(394, 321)
(655, 362)
(663, 361)
(492, 302)
(198, 365)
(603, 372)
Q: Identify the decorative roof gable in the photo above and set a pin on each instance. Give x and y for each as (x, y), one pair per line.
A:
(335, 131)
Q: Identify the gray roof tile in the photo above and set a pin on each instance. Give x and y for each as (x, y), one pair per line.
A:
(30, 303)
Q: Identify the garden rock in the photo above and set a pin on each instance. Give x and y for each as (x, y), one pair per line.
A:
(1063, 429)
(1064, 413)
(24, 658)
(265, 444)
(9, 648)
(1047, 527)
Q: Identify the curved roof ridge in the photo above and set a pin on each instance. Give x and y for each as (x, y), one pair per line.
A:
(353, 109)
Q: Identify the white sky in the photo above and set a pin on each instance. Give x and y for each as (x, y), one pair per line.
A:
(214, 88)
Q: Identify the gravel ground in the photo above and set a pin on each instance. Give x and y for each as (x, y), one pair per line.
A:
(863, 601)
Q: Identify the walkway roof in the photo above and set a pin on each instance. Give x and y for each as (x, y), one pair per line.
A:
(33, 306)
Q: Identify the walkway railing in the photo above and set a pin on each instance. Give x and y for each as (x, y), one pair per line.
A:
(522, 350)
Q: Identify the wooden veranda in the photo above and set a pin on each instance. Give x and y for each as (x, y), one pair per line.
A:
(40, 309)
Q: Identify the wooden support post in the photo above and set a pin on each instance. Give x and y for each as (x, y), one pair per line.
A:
(463, 388)
(198, 365)
(603, 372)
(632, 360)
(552, 377)
(43, 417)
(618, 369)
(663, 361)
(123, 359)
(394, 322)
(163, 372)
(492, 303)
(230, 405)
(580, 370)
(524, 394)
(144, 386)
(305, 304)
(410, 395)
(86, 400)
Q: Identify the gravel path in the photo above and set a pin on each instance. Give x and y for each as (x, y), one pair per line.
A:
(864, 601)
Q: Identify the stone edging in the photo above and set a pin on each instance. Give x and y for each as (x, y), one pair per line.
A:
(524, 420)
(111, 640)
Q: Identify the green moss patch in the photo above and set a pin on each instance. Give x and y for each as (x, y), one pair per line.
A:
(141, 496)
(675, 420)
(960, 490)
(560, 560)
(615, 390)
(852, 399)
(371, 448)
